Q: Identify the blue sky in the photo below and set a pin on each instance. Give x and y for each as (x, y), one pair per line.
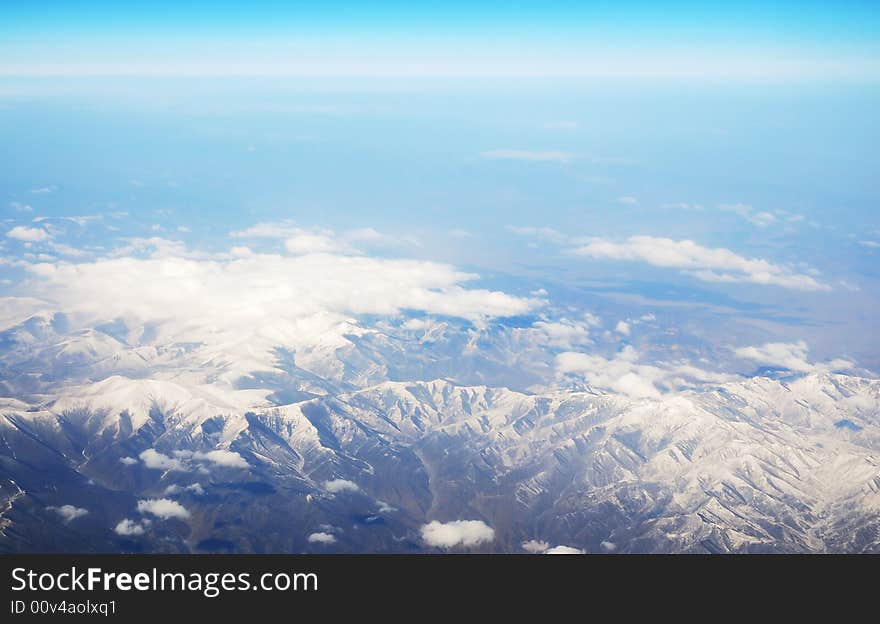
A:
(504, 138)
(567, 38)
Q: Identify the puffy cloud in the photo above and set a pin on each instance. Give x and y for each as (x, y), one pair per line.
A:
(564, 550)
(791, 356)
(129, 527)
(162, 508)
(222, 457)
(212, 300)
(128, 461)
(158, 461)
(281, 229)
(535, 546)
(608, 546)
(321, 538)
(28, 234)
(622, 328)
(341, 485)
(69, 512)
(565, 333)
(307, 242)
(710, 264)
(457, 533)
(528, 155)
(625, 375)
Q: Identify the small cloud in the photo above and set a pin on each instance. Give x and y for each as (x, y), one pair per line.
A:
(19, 207)
(541, 233)
(158, 461)
(564, 550)
(222, 457)
(790, 356)
(535, 546)
(528, 155)
(385, 507)
(28, 234)
(184, 229)
(321, 538)
(869, 243)
(162, 508)
(128, 461)
(309, 243)
(43, 190)
(627, 200)
(69, 512)
(195, 488)
(336, 486)
(608, 546)
(622, 328)
(457, 533)
(129, 528)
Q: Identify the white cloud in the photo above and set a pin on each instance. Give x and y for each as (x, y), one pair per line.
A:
(711, 264)
(457, 533)
(308, 243)
(69, 512)
(280, 229)
(565, 333)
(162, 508)
(222, 457)
(535, 546)
(608, 546)
(791, 356)
(28, 234)
(340, 485)
(755, 217)
(564, 550)
(625, 375)
(528, 155)
(129, 527)
(216, 300)
(43, 190)
(128, 461)
(321, 538)
(158, 461)
(622, 328)
(195, 488)
(869, 243)
(627, 200)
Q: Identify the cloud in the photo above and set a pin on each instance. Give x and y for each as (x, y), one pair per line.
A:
(280, 229)
(755, 217)
(43, 190)
(336, 486)
(321, 538)
(163, 508)
(129, 527)
(608, 546)
(158, 461)
(564, 550)
(622, 328)
(565, 333)
(222, 457)
(869, 243)
(128, 461)
(28, 234)
(625, 375)
(791, 356)
(541, 233)
(528, 155)
(307, 243)
(195, 488)
(535, 546)
(457, 533)
(215, 300)
(69, 512)
(705, 263)
(627, 200)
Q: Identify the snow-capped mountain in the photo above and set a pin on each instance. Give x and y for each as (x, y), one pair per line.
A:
(112, 439)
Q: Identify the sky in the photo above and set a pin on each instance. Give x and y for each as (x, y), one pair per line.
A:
(712, 166)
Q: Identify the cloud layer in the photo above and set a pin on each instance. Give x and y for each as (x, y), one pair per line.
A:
(710, 264)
